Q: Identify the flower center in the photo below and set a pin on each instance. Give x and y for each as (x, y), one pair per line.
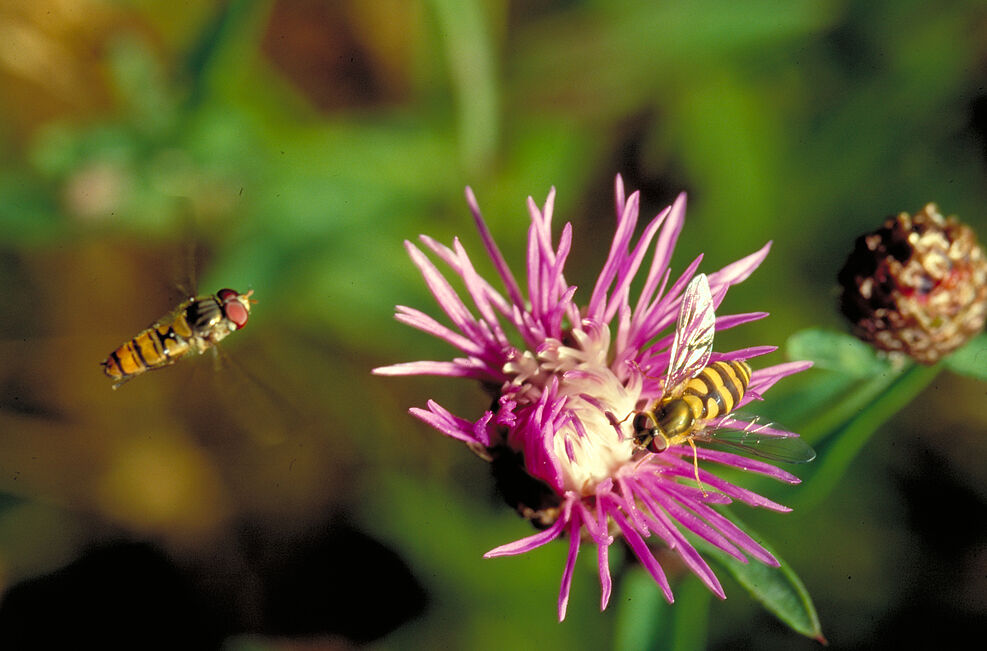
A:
(581, 438)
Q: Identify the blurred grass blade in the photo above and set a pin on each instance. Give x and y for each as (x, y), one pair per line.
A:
(470, 53)
(220, 45)
(971, 359)
(647, 621)
(835, 351)
(778, 589)
(690, 616)
(642, 612)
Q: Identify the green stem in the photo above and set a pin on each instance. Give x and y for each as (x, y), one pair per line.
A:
(830, 420)
(876, 405)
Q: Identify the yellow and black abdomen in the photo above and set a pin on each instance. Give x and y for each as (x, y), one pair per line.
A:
(160, 345)
(717, 389)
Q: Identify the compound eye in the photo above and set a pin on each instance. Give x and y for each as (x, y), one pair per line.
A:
(236, 313)
(233, 307)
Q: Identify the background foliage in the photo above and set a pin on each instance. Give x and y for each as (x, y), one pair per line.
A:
(290, 146)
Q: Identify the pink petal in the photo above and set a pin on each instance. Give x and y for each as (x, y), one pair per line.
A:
(642, 551)
(505, 272)
(570, 564)
(448, 369)
(606, 584)
(738, 271)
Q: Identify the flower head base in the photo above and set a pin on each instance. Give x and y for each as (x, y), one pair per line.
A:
(917, 285)
(560, 435)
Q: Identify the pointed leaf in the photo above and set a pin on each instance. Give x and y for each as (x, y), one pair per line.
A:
(778, 589)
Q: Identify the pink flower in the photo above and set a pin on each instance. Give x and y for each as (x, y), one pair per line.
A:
(565, 378)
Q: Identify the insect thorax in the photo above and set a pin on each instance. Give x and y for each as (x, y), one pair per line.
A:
(675, 417)
(207, 322)
(202, 314)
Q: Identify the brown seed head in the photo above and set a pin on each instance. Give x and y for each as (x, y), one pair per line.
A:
(917, 285)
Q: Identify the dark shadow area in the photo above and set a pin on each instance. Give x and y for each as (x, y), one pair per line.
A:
(332, 580)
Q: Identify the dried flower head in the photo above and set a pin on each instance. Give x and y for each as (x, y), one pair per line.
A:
(917, 285)
(578, 388)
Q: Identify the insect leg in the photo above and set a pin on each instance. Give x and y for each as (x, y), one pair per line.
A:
(695, 465)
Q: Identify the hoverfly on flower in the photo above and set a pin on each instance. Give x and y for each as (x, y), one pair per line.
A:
(196, 325)
(698, 396)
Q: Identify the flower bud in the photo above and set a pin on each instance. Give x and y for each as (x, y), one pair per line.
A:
(917, 285)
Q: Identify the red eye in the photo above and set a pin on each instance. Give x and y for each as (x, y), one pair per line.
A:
(234, 309)
(236, 313)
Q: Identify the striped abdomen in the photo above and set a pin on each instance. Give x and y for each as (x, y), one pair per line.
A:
(714, 392)
(717, 389)
(159, 345)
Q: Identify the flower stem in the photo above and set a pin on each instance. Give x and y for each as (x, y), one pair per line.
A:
(827, 424)
(874, 404)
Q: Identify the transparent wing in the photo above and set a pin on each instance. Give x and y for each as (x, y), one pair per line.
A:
(693, 341)
(762, 441)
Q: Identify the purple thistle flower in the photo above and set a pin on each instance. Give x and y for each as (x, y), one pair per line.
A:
(560, 451)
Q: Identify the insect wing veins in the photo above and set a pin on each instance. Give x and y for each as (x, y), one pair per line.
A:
(693, 341)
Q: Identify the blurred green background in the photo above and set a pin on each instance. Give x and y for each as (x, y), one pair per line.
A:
(283, 498)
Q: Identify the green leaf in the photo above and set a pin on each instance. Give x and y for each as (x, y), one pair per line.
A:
(778, 589)
(835, 351)
(971, 359)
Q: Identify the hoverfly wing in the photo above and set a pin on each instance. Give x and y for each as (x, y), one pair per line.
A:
(693, 341)
(763, 441)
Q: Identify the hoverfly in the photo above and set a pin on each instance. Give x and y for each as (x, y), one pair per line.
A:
(698, 396)
(196, 325)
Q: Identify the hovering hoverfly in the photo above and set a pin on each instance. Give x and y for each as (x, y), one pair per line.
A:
(698, 396)
(196, 325)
